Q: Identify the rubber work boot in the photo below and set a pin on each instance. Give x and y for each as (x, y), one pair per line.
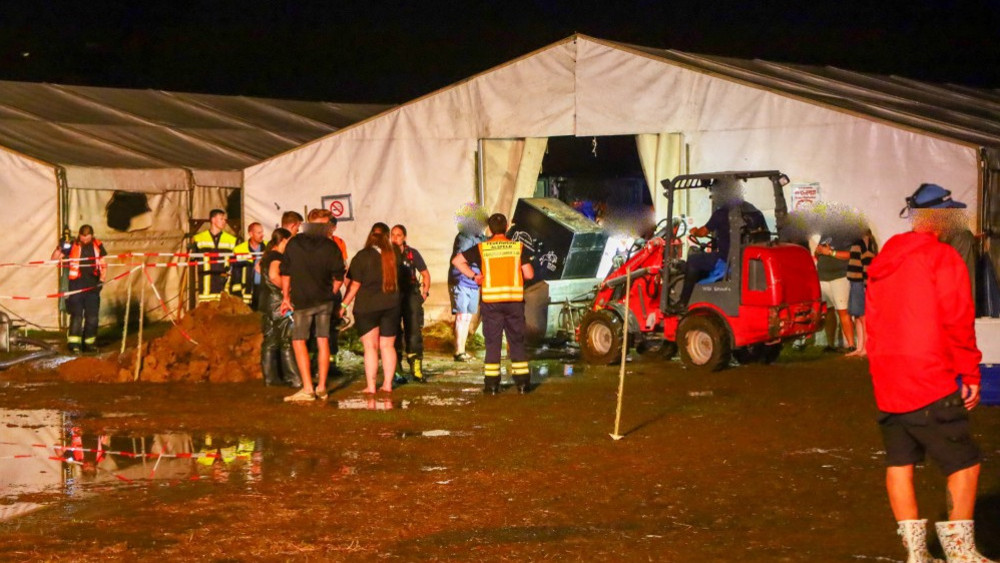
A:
(269, 367)
(491, 385)
(958, 539)
(417, 370)
(289, 369)
(523, 383)
(914, 534)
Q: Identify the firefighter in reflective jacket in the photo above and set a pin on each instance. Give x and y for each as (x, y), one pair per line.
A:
(504, 264)
(246, 275)
(213, 271)
(87, 272)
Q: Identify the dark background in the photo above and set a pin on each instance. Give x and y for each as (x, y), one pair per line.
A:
(395, 51)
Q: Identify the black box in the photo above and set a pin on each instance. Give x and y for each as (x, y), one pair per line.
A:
(566, 244)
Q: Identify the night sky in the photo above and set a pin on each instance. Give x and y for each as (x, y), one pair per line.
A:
(390, 52)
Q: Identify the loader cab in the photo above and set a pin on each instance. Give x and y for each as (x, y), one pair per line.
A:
(722, 289)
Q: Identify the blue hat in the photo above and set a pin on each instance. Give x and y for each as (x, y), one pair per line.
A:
(931, 196)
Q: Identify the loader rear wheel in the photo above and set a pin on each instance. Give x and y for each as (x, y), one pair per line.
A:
(600, 337)
(703, 343)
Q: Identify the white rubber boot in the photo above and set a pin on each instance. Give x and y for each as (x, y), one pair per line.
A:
(958, 539)
(914, 534)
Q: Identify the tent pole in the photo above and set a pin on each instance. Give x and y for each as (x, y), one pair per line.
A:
(480, 173)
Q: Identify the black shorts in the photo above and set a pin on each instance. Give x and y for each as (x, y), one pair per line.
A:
(316, 317)
(939, 430)
(386, 320)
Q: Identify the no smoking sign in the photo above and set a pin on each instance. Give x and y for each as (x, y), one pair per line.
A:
(339, 206)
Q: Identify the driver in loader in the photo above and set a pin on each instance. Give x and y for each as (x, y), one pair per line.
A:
(726, 195)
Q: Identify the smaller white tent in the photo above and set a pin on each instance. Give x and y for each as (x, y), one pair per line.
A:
(70, 154)
(866, 141)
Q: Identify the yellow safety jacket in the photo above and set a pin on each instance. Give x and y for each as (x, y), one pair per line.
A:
(212, 265)
(502, 278)
(243, 270)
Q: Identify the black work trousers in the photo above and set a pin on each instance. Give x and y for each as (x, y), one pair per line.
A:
(83, 317)
(410, 340)
(499, 319)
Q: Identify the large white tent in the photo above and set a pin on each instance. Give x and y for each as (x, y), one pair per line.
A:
(66, 152)
(867, 141)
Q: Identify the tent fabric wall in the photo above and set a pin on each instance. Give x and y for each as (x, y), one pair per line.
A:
(84, 143)
(511, 168)
(30, 210)
(858, 162)
(417, 163)
(661, 157)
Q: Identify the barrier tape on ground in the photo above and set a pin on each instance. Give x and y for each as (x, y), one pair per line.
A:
(68, 293)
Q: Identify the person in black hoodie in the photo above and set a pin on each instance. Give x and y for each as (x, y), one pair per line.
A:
(311, 273)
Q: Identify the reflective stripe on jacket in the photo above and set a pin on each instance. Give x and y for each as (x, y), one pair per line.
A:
(203, 243)
(502, 277)
(74, 255)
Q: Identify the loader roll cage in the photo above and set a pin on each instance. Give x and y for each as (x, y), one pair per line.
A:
(736, 223)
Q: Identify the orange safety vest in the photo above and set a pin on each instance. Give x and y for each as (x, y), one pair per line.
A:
(74, 256)
(502, 278)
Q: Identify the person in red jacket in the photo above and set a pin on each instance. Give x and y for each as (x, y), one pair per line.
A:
(924, 365)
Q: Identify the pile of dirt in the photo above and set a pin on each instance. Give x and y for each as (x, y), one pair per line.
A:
(217, 342)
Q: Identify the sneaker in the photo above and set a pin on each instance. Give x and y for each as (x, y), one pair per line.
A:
(398, 380)
(463, 357)
(300, 396)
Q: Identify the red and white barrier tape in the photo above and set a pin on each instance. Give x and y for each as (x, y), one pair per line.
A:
(166, 310)
(127, 259)
(68, 293)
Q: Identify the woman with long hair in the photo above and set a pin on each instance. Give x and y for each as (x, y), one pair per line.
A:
(276, 349)
(374, 292)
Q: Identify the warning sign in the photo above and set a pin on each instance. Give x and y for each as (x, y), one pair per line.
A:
(805, 196)
(339, 206)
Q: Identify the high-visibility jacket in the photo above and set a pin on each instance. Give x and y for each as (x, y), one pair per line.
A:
(242, 283)
(342, 246)
(212, 265)
(502, 277)
(74, 255)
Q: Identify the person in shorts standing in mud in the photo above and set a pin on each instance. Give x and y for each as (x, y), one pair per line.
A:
(374, 291)
(87, 273)
(311, 272)
(505, 265)
(924, 364)
(463, 291)
(414, 286)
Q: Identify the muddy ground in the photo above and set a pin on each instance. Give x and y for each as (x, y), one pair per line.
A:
(755, 463)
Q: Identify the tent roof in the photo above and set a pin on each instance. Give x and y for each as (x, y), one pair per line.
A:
(954, 112)
(79, 126)
(961, 113)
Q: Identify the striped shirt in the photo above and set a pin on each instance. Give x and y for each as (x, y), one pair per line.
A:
(861, 258)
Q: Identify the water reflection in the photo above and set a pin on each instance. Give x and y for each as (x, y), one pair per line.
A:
(44, 453)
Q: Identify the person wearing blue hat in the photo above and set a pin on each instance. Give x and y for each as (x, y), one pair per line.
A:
(954, 227)
(924, 364)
